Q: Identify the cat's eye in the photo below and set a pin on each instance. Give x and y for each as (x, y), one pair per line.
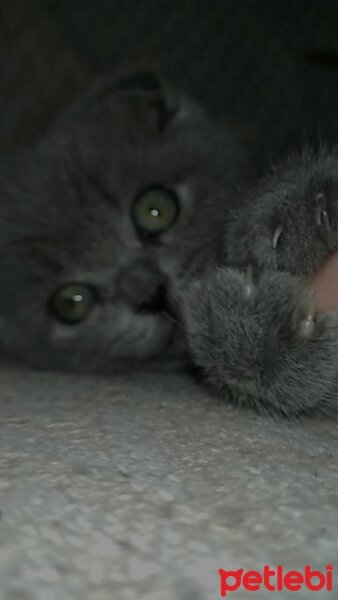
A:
(155, 210)
(73, 302)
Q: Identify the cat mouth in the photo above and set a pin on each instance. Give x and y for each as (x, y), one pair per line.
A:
(160, 308)
(159, 304)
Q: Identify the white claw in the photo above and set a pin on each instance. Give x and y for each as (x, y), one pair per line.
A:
(322, 216)
(307, 327)
(307, 324)
(275, 238)
(326, 220)
(249, 284)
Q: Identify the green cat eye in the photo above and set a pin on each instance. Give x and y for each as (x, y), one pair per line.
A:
(155, 210)
(73, 302)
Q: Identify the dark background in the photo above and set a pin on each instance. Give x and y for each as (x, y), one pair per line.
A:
(270, 64)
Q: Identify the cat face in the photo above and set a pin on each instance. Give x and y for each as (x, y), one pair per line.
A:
(99, 218)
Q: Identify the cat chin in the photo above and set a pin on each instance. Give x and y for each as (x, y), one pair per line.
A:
(150, 335)
(139, 339)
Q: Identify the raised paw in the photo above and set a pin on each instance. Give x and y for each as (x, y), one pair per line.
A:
(290, 222)
(260, 339)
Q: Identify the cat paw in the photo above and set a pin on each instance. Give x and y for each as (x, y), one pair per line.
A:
(259, 340)
(290, 222)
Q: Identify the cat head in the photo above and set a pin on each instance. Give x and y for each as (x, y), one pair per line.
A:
(100, 218)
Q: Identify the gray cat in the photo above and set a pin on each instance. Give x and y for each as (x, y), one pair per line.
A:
(252, 326)
(100, 218)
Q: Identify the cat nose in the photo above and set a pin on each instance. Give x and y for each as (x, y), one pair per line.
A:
(142, 285)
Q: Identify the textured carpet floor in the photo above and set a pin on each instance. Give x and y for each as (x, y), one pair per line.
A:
(143, 486)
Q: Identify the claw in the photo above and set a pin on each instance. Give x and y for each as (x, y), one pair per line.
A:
(249, 284)
(307, 325)
(275, 238)
(322, 216)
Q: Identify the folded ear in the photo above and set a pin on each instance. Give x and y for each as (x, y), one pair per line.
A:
(150, 98)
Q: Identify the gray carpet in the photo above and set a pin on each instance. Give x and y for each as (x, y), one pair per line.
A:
(145, 485)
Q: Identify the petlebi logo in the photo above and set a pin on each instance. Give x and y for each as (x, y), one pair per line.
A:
(276, 579)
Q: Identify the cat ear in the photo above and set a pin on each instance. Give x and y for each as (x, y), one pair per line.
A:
(149, 97)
